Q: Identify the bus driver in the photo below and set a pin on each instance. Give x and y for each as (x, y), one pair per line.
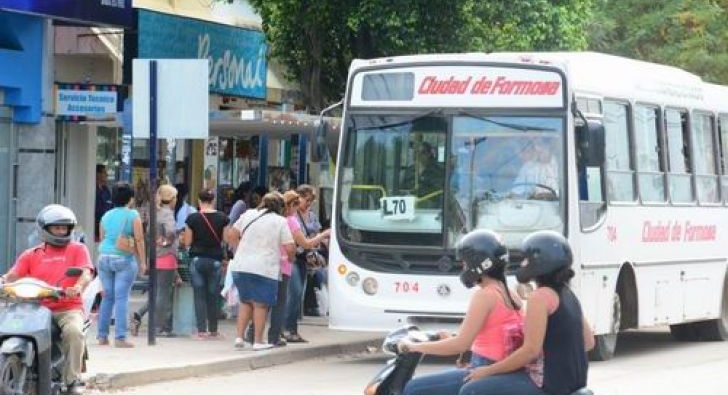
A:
(539, 176)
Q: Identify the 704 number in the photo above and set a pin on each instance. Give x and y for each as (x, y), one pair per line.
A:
(406, 287)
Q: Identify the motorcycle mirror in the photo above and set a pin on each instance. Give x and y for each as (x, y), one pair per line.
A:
(74, 272)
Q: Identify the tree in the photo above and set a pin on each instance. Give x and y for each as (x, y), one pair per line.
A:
(689, 34)
(316, 40)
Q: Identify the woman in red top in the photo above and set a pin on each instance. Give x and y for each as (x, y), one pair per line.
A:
(492, 326)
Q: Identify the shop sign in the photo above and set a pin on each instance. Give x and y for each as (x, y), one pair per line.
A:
(101, 12)
(78, 102)
(236, 56)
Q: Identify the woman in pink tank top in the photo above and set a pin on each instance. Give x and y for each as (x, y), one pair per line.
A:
(493, 323)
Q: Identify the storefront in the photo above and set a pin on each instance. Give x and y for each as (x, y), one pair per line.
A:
(35, 155)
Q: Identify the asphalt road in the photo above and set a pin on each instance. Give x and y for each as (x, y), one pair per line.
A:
(647, 362)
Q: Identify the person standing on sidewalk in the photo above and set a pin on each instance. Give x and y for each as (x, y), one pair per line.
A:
(204, 232)
(259, 235)
(121, 227)
(310, 226)
(291, 199)
(103, 198)
(49, 262)
(166, 253)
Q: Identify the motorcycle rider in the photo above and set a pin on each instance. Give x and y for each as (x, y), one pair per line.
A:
(557, 336)
(493, 323)
(48, 262)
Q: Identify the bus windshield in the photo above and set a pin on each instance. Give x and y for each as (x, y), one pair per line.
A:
(427, 179)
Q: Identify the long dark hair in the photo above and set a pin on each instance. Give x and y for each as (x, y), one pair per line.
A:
(499, 273)
(556, 280)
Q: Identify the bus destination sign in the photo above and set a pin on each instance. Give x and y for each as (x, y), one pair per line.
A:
(462, 86)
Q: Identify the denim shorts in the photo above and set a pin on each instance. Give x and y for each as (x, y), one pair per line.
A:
(255, 288)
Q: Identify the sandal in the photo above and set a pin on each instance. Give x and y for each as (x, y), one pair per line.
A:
(134, 323)
(295, 338)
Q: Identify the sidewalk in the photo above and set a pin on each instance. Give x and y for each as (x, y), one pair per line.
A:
(111, 368)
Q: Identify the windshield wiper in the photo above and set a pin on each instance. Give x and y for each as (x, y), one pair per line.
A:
(514, 126)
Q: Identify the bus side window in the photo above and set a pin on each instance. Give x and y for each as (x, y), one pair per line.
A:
(723, 149)
(590, 166)
(620, 168)
(678, 155)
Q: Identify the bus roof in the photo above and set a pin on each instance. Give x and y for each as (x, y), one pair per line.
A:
(593, 73)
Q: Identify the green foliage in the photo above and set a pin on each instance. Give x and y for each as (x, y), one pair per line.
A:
(317, 39)
(690, 34)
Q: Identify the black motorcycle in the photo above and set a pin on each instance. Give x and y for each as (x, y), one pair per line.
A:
(31, 359)
(392, 379)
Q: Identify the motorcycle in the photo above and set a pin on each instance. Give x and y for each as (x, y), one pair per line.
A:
(31, 358)
(392, 379)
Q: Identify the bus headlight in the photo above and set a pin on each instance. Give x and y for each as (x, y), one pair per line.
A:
(352, 279)
(369, 286)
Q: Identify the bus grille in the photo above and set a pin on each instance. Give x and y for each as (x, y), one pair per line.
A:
(413, 263)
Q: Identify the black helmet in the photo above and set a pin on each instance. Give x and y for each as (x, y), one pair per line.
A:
(545, 252)
(55, 214)
(481, 252)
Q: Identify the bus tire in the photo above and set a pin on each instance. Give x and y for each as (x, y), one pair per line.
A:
(605, 345)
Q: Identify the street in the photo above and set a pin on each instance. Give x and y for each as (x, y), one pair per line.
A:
(647, 362)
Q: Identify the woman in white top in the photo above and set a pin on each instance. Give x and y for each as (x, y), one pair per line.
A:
(259, 235)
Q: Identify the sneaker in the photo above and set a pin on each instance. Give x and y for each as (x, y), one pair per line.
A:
(201, 335)
(103, 341)
(239, 343)
(216, 336)
(262, 346)
(75, 388)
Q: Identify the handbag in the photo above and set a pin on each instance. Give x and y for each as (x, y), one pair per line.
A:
(312, 257)
(225, 253)
(123, 242)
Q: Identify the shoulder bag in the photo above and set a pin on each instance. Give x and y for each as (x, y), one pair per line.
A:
(312, 257)
(123, 242)
(225, 254)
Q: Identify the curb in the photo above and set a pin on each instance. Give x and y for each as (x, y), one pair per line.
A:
(247, 362)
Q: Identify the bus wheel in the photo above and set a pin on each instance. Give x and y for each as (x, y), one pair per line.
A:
(605, 345)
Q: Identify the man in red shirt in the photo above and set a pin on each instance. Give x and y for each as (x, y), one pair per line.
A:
(48, 262)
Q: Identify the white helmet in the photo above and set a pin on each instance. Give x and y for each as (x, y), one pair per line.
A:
(55, 214)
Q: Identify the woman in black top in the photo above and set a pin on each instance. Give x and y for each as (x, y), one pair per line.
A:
(203, 233)
(552, 359)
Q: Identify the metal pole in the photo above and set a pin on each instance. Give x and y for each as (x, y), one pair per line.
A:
(152, 259)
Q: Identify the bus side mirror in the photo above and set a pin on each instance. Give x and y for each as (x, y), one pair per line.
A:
(591, 143)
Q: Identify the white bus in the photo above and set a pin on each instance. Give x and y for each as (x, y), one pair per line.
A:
(628, 159)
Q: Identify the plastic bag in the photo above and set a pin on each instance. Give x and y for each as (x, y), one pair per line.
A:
(322, 299)
(229, 290)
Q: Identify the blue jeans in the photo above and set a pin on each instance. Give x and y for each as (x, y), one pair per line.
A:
(448, 382)
(117, 275)
(205, 276)
(296, 285)
(278, 311)
(513, 383)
